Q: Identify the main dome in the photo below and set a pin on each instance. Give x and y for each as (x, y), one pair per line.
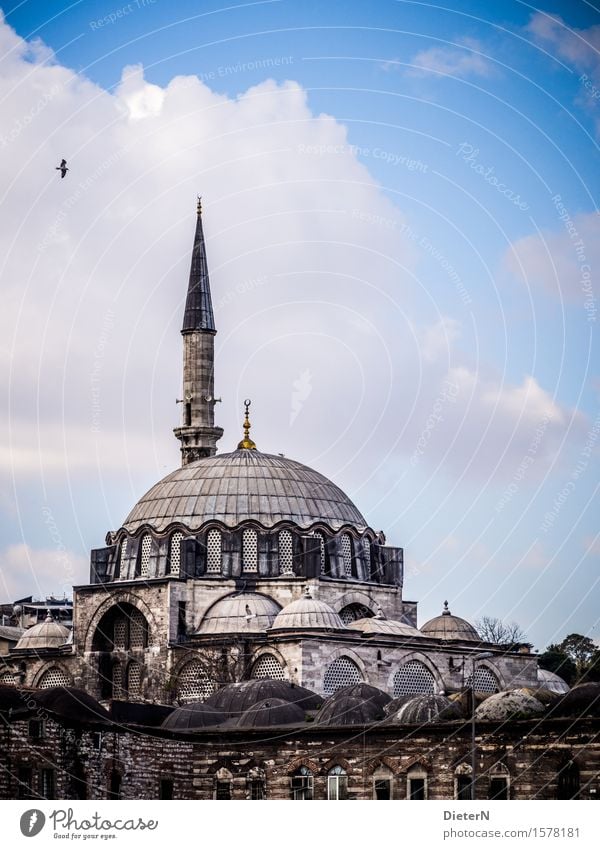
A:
(243, 485)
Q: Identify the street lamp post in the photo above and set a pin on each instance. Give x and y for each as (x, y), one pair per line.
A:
(481, 656)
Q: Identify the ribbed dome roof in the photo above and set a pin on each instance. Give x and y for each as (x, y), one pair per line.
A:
(71, 703)
(426, 708)
(307, 613)
(193, 715)
(248, 613)
(272, 712)
(449, 627)
(234, 699)
(551, 681)
(509, 704)
(45, 635)
(233, 488)
(344, 708)
(374, 625)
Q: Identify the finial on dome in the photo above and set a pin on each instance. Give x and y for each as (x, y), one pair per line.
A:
(49, 617)
(199, 206)
(307, 593)
(445, 611)
(379, 614)
(246, 442)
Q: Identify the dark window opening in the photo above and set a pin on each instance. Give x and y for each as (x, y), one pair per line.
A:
(463, 786)
(79, 788)
(36, 729)
(47, 784)
(25, 779)
(257, 789)
(301, 784)
(188, 413)
(223, 790)
(382, 788)
(181, 621)
(416, 788)
(498, 788)
(97, 740)
(165, 790)
(114, 785)
(568, 782)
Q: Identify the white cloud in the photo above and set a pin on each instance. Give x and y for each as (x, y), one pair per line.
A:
(40, 571)
(580, 47)
(438, 338)
(463, 61)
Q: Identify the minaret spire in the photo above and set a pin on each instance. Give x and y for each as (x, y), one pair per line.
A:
(198, 434)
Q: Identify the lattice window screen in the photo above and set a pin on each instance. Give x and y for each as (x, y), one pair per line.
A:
(122, 559)
(145, 556)
(7, 678)
(194, 685)
(54, 677)
(267, 666)
(117, 681)
(485, 681)
(250, 550)
(134, 675)
(341, 673)
(120, 633)
(321, 539)
(137, 628)
(352, 612)
(413, 677)
(175, 553)
(346, 544)
(213, 551)
(286, 553)
(367, 555)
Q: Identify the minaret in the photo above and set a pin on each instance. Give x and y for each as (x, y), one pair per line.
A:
(198, 434)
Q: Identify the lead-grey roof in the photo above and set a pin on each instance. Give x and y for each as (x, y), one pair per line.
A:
(198, 313)
(240, 613)
(240, 486)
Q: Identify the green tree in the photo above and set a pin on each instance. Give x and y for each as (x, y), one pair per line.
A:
(580, 649)
(555, 660)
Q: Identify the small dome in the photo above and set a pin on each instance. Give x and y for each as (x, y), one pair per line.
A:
(308, 613)
(551, 681)
(71, 703)
(449, 627)
(343, 708)
(395, 704)
(375, 625)
(366, 692)
(193, 715)
(509, 704)
(581, 700)
(45, 635)
(425, 708)
(241, 613)
(234, 699)
(271, 712)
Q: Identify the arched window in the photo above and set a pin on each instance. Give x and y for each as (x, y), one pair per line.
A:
(267, 666)
(462, 782)
(302, 784)
(250, 550)
(117, 680)
(416, 783)
(123, 559)
(257, 783)
(346, 547)
(286, 553)
(54, 677)
(213, 551)
(324, 566)
(352, 612)
(341, 673)
(337, 784)
(134, 681)
(499, 785)
(485, 681)
(413, 677)
(382, 783)
(145, 547)
(193, 683)
(366, 547)
(122, 627)
(223, 779)
(175, 553)
(121, 634)
(7, 679)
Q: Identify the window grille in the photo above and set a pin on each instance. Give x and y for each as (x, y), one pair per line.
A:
(302, 784)
(321, 539)
(267, 666)
(134, 674)
(413, 677)
(7, 679)
(367, 556)
(286, 553)
(117, 681)
(194, 685)
(341, 673)
(123, 559)
(352, 612)
(250, 550)
(257, 788)
(346, 543)
(223, 790)
(175, 553)
(213, 551)
(416, 785)
(145, 556)
(337, 784)
(485, 681)
(137, 630)
(120, 633)
(54, 677)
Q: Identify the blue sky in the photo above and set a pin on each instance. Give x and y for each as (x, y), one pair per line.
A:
(401, 214)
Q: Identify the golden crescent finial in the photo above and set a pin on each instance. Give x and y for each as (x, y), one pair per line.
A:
(246, 442)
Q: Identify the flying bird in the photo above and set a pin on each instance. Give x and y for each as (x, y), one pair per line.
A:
(62, 168)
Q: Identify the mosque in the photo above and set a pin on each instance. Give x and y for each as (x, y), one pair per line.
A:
(249, 565)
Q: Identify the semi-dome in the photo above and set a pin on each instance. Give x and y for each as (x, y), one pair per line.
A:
(551, 681)
(391, 627)
(425, 708)
(509, 704)
(449, 627)
(243, 485)
(193, 715)
(45, 635)
(272, 712)
(307, 613)
(241, 613)
(234, 699)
